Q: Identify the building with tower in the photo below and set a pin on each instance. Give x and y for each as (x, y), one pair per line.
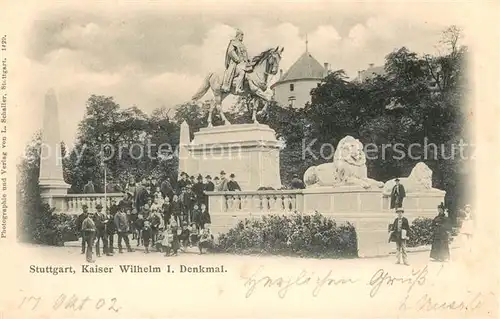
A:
(294, 86)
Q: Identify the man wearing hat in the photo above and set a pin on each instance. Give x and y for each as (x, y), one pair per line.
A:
(297, 183)
(399, 231)
(182, 182)
(398, 193)
(233, 185)
(88, 235)
(79, 221)
(199, 190)
(111, 227)
(222, 187)
(166, 189)
(101, 221)
(209, 185)
(140, 195)
(122, 228)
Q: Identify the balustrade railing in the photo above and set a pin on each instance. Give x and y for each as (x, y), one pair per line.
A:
(273, 201)
(74, 202)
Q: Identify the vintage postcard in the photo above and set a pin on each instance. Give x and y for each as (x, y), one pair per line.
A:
(249, 159)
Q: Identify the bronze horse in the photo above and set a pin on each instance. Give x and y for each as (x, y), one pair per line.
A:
(255, 84)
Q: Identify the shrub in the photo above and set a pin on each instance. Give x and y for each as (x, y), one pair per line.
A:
(51, 229)
(421, 232)
(291, 235)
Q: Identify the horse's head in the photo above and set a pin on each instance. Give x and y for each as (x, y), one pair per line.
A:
(271, 58)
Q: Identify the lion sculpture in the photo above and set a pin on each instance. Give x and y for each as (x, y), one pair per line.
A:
(420, 179)
(348, 168)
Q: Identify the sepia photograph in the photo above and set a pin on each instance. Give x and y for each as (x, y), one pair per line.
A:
(247, 160)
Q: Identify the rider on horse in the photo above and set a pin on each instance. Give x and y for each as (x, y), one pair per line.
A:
(237, 64)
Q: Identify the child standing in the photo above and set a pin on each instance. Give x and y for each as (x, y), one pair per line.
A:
(194, 234)
(166, 209)
(146, 235)
(184, 236)
(168, 238)
(139, 225)
(204, 216)
(196, 216)
(176, 209)
(175, 240)
(156, 222)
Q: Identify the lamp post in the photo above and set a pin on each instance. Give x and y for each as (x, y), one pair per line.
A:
(105, 185)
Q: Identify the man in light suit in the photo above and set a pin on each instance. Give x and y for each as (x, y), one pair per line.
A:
(399, 231)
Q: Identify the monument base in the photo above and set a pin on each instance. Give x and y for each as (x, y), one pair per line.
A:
(53, 192)
(250, 151)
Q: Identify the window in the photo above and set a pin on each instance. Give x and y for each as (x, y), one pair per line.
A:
(291, 101)
(292, 87)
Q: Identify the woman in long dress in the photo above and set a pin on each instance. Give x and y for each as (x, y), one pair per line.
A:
(440, 250)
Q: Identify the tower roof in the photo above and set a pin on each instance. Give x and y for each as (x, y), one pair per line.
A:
(306, 67)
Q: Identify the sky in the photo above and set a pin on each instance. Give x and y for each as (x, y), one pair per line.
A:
(153, 56)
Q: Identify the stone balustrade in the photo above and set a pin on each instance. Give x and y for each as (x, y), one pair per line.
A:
(268, 201)
(72, 203)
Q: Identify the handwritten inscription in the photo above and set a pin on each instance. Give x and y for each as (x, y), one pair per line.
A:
(381, 277)
(427, 303)
(285, 284)
(73, 302)
(380, 280)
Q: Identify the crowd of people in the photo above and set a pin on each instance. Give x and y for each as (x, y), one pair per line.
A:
(165, 216)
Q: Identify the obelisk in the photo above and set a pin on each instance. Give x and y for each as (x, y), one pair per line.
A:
(184, 155)
(53, 188)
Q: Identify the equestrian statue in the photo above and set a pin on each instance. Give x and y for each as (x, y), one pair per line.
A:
(242, 77)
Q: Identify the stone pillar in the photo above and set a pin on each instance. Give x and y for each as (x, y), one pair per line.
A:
(53, 189)
(184, 155)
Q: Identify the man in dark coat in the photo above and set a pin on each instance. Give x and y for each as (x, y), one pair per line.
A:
(183, 182)
(398, 193)
(111, 227)
(199, 190)
(79, 221)
(126, 202)
(166, 189)
(122, 228)
(140, 195)
(233, 185)
(399, 232)
(297, 183)
(209, 185)
(101, 221)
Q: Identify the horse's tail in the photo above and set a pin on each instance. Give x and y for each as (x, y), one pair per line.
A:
(203, 89)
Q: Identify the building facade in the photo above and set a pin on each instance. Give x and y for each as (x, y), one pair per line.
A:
(370, 73)
(294, 87)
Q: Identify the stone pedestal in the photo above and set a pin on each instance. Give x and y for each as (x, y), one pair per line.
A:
(250, 151)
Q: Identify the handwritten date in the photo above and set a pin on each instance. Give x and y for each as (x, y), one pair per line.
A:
(72, 302)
